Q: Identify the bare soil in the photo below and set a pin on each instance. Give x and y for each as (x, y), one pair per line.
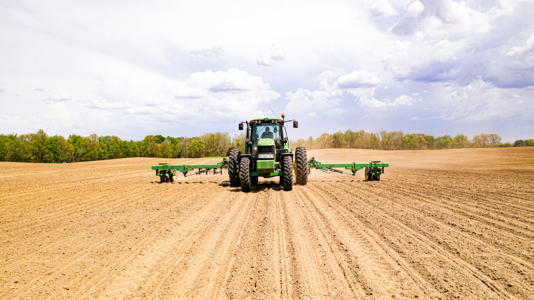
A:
(440, 224)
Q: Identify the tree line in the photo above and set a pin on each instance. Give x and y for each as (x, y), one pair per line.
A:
(397, 140)
(40, 147)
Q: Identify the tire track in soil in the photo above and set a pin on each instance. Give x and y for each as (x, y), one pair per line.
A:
(464, 205)
(474, 190)
(402, 279)
(461, 271)
(84, 206)
(478, 253)
(337, 264)
(485, 234)
(157, 275)
(116, 203)
(97, 191)
(50, 246)
(195, 260)
(225, 263)
(81, 255)
(253, 274)
(297, 286)
(217, 260)
(144, 269)
(48, 188)
(286, 271)
(495, 186)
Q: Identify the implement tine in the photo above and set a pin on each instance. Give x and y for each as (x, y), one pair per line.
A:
(334, 170)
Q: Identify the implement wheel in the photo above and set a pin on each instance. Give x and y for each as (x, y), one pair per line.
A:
(368, 175)
(244, 174)
(171, 177)
(301, 165)
(254, 180)
(233, 166)
(288, 173)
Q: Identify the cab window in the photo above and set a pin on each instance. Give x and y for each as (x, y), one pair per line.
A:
(266, 131)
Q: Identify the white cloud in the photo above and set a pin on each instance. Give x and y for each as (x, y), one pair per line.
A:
(382, 8)
(233, 80)
(440, 18)
(479, 101)
(358, 79)
(520, 50)
(403, 100)
(179, 68)
(306, 104)
(207, 53)
(414, 8)
(273, 56)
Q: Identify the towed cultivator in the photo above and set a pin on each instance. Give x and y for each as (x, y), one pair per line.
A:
(267, 154)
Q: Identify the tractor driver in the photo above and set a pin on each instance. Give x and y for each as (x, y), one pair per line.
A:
(267, 134)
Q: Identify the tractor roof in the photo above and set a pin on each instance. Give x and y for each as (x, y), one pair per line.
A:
(267, 119)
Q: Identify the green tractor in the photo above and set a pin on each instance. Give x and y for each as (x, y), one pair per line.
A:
(267, 154)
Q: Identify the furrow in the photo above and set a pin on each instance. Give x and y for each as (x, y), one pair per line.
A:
(431, 248)
(362, 240)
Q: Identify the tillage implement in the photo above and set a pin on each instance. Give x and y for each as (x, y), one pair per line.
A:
(267, 154)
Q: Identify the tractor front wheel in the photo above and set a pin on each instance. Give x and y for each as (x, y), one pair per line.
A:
(244, 174)
(301, 165)
(288, 173)
(233, 166)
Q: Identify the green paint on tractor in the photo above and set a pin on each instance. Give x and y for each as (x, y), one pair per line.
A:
(268, 154)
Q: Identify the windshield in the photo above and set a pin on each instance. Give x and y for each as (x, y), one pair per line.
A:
(266, 131)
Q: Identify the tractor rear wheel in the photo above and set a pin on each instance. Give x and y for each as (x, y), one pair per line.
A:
(288, 173)
(233, 166)
(244, 174)
(301, 165)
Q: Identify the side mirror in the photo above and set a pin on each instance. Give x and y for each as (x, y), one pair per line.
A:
(240, 126)
(295, 124)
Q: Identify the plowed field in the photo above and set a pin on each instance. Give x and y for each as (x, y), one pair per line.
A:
(440, 224)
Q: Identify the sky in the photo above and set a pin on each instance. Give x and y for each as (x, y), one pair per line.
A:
(184, 68)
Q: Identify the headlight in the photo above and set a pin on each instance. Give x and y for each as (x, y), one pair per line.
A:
(265, 155)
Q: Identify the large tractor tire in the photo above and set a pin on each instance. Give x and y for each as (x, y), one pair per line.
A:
(288, 173)
(301, 165)
(233, 166)
(244, 174)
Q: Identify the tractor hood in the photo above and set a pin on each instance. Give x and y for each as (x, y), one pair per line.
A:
(266, 142)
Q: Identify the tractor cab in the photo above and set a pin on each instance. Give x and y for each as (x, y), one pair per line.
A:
(266, 136)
